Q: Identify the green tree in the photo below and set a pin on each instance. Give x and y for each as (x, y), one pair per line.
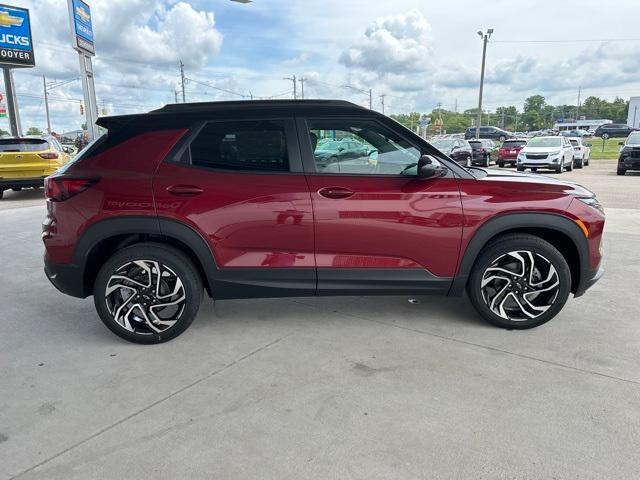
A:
(536, 114)
(34, 131)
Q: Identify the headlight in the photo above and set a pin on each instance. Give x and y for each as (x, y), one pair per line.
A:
(592, 202)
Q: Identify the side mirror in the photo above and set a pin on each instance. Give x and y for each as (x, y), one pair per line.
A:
(428, 167)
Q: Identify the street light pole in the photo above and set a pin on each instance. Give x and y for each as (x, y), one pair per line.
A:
(46, 103)
(485, 39)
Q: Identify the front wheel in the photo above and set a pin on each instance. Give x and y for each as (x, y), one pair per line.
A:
(621, 171)
(520, 169)
(605, 136)
(520, 281)
(148, 293)
(501, 164)
(570, 167)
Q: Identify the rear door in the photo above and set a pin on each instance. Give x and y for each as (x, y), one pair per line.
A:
(240, 185)
(22, 158)
(377, 226)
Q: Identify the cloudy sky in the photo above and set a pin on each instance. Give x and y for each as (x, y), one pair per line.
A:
(418, 53)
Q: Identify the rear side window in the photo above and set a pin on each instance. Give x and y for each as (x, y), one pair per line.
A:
(23, 145)
(247, 145)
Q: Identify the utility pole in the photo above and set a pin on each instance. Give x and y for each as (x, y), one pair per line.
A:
(370, 100)
(382, 102)
(578, 108)
(182, 80)
(503, 118)
(485, 39)
(175, 94)
(12, 103)
(302, 80)
(295, 85)
(455, 109)
(46, 103)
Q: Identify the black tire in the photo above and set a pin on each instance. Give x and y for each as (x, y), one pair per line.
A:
(501, 164)
(578, 163)
(539, 248)
(170, 258)
(1, 193)
(621, 171)
(17, 189)
(605, 136)
(502, 138)
(520, 169)
(559, 169)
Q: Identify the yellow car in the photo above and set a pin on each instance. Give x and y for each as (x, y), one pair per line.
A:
(26, 161)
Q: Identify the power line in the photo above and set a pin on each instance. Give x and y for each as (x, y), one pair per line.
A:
(205, 84)
(591, 40)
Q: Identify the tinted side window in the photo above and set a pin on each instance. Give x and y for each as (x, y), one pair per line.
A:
(383, 153)
(248, 145)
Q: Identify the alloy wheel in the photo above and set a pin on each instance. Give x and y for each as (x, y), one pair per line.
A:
(145, 297)
(520, 285)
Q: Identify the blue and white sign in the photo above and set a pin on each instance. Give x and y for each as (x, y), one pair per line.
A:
(82, 27)
(16, 46)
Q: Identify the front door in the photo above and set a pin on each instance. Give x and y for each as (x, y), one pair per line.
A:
(377, 226)
(240, 185)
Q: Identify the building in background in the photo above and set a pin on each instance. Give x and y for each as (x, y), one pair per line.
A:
(633, 119)
(581, 124)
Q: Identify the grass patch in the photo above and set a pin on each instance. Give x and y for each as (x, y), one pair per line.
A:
(611, 148)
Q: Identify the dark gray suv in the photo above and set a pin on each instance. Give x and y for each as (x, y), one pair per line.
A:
(493, 133)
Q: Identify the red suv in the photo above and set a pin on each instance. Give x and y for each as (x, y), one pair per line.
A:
(509, 150)
(232, 198)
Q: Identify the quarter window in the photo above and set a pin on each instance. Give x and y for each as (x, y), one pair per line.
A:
(372, 149)
(249, 145)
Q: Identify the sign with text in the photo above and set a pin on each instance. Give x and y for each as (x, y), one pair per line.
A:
(81, 26)
(16, 47)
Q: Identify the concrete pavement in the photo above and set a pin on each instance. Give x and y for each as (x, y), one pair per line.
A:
(348, 388)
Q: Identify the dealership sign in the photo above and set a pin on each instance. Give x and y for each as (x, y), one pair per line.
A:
(81, 26)
(16, 47)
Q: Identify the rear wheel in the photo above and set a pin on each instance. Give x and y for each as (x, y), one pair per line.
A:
(1, 193)
(502, 138)
(17, 189)
(621, 171)
(605, 136)
(148, 293)
(520, 281)
(579, 163)
(501, 164)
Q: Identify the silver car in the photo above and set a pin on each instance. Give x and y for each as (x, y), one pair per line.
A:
(554, 153)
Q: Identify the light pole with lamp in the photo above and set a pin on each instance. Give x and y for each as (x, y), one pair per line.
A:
(485, 39)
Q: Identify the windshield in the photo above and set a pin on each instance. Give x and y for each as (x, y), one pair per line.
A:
(545, 142)
(634, 139)
(23, 145)
(440, 144)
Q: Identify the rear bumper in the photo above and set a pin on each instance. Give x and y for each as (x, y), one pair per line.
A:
(67, 278)
(6, 183)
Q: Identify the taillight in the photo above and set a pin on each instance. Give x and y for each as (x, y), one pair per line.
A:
(48, 155)
(60, 189)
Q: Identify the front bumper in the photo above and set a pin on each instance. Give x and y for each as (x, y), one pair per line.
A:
(629, 163)
(587, 279)
(6, 183)
(67, 278)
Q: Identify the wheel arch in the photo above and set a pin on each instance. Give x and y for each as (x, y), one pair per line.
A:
(562, 232)
(102, 239)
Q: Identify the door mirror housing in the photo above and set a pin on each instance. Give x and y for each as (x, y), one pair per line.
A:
(428, 167)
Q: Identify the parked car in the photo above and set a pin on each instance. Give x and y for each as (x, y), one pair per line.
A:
(550, 152)
(609, 130)
(26, 161)
(459, 150)
(581, 152)
(333, 151)
(493, 133)
(629, 158)
(508, 152)
(229, 198)
(482, 149)
(574, 133)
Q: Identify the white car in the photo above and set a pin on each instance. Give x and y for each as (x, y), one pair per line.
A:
(549, 152)
(581, 152)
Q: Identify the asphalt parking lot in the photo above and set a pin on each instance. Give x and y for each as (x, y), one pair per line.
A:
(345, 388)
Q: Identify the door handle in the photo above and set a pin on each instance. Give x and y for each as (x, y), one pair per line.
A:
(184, 190)
(335, 192)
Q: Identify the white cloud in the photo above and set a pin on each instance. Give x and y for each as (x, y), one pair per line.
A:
(396, 43)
